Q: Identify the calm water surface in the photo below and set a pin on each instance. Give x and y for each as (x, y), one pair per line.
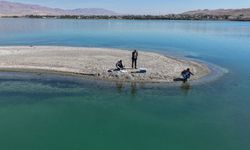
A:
(52, 112)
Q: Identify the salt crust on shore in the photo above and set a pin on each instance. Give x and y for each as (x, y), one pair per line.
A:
(95, 63)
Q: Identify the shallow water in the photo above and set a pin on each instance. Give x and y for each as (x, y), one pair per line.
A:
(52, 112)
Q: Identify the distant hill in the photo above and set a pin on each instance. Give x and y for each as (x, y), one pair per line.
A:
(12, 10)
(232, 14)
(18, 9)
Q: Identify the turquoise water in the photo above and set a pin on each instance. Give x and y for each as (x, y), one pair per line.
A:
(54, 112)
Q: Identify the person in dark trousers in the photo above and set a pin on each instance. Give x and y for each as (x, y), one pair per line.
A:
(119, 65)
(186, 74)
(134, 59)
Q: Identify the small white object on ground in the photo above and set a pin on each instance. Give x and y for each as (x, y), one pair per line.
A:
(124, 71)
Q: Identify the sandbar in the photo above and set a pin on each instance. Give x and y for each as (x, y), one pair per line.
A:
(95, 63)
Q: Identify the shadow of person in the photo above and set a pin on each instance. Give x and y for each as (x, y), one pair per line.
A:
(133, 88)
(185, 88)
(119, 87)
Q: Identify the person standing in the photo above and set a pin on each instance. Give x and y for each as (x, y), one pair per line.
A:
(134, 59)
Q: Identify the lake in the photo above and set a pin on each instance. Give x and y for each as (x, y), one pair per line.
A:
(54, 112)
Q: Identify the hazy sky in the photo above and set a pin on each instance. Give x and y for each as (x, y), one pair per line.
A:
(143, 6)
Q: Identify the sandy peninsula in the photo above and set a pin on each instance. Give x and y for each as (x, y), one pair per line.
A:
(95, 63)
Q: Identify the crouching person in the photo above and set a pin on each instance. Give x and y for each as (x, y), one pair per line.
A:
(186, 74)
(119, 65)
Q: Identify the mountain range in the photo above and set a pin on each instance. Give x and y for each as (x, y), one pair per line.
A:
(230, 12)
(12, 9)
(19, 9)
(220, 14)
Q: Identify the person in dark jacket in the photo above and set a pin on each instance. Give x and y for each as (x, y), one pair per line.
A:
(186, 74)
(119, 65)
(134, 59)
